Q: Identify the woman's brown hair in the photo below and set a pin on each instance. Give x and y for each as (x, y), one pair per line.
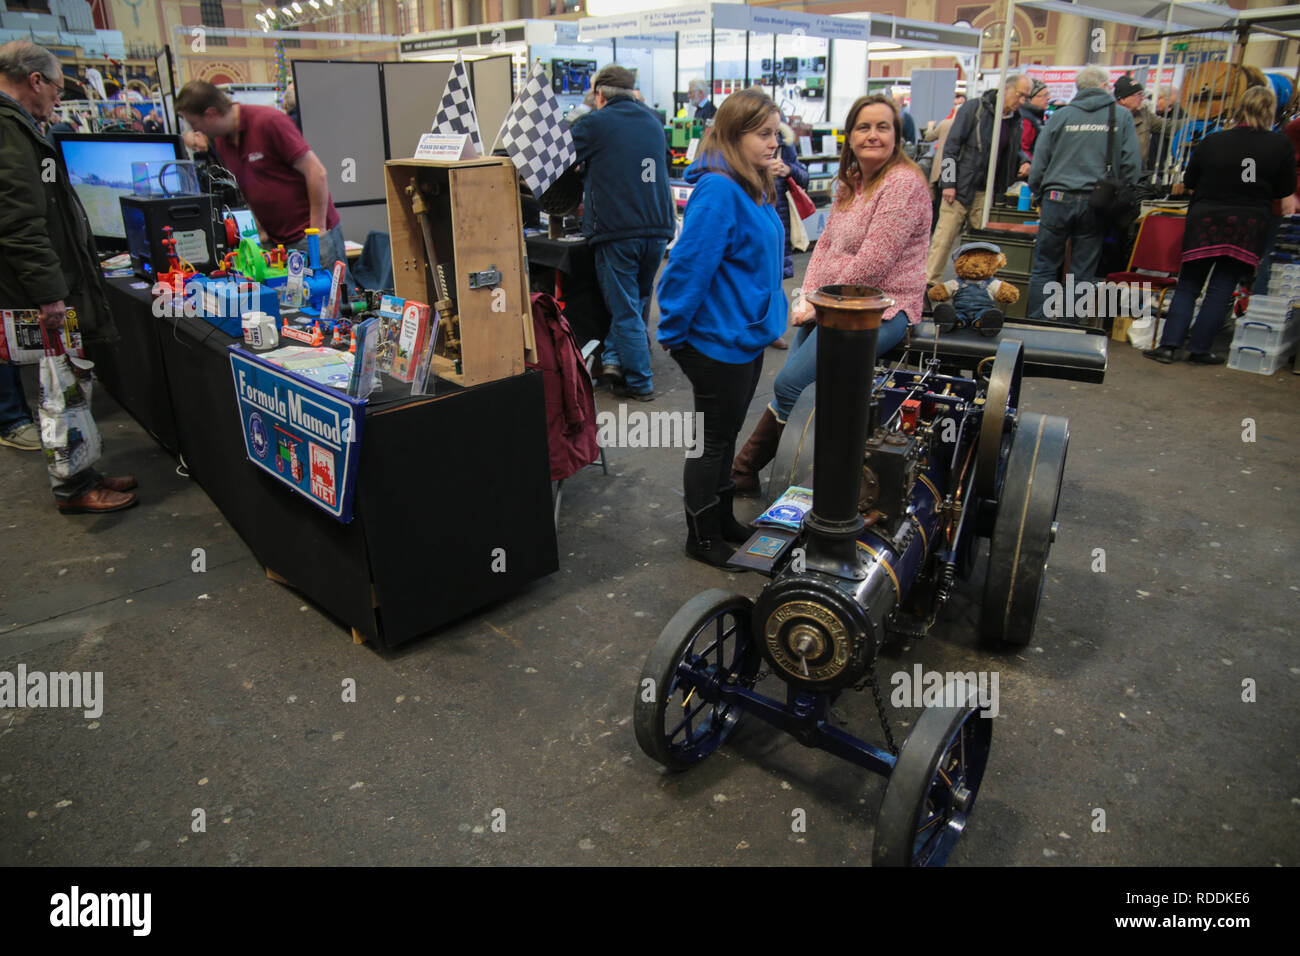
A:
(740, 113)
(850, 175)
(1256, 108)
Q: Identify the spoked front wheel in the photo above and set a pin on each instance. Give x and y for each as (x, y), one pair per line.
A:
(707, 642)
(932, 790)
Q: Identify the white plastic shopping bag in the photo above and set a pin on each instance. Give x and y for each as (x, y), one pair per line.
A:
(68, 432)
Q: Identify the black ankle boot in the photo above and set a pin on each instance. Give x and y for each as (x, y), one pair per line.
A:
(945, 316)
(704, 538)
(732, 530)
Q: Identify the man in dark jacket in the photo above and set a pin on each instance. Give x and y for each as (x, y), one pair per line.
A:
(965, 166)
(697, 92)
(48, 262)
(1069, 160)
(628, 218)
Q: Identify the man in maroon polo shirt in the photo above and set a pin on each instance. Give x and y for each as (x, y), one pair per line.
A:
(283, 180)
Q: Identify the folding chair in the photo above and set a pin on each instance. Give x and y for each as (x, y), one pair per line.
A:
(1156, 257)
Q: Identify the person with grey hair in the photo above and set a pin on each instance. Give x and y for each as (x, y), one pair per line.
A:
(1069, 160)
(48, 262)
(697, 91)
(964, 166)
(628, 218)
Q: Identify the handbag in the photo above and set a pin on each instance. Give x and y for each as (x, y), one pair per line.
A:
(799, 199)
(798, 233)
(1113, 199)
(68, 431)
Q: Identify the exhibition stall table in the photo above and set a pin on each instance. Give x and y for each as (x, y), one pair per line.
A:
(452, 498)
(567, 267)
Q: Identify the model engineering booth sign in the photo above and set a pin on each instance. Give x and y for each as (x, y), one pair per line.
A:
(305, 435)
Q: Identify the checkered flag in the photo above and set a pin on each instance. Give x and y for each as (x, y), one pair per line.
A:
(535, 135)
(456, 112)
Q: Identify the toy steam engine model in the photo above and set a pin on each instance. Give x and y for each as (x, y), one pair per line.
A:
(909, 468)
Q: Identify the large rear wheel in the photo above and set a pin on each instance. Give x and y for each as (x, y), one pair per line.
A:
(1024, 529)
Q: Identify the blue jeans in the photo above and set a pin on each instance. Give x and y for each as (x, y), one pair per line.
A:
(1214, 307)
(1062, 220)
(625, 269)
(14, 410)
(800, 369)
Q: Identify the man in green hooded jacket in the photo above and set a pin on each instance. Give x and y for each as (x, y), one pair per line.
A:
(48, 261)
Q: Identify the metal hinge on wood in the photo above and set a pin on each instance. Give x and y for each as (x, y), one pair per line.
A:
(486, 279)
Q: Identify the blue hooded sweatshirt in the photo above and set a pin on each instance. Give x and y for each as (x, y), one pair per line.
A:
(721, 290)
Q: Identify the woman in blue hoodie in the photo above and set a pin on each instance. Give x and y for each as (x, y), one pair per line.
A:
(721, 303)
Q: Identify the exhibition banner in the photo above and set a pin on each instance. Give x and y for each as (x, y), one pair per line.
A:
(723, 16)
(1060, 79)
(305, 435)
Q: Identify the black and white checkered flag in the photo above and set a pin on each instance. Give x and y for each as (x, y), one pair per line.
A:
(535, 135)
(456, 113)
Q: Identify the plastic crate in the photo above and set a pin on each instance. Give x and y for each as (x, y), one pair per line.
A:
(1259, 361)
(1269, 306)
(1252, 332)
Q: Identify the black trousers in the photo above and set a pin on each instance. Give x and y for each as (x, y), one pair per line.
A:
(722, 396)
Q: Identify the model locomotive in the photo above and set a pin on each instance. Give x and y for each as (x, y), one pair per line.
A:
(909, 468)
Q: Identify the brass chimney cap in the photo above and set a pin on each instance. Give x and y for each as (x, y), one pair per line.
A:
(849, 307)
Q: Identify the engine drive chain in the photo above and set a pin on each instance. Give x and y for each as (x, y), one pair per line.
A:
(871, 681)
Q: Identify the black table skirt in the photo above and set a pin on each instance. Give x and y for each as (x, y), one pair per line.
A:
(442, 480)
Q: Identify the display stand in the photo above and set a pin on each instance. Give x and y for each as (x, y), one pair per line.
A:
(453, 504)
(478, 238)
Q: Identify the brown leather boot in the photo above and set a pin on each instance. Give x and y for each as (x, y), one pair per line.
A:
(124, 483)
(757, 452)
(97, 501)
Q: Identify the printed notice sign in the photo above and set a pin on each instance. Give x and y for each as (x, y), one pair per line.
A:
(304, 435)
(445, 146)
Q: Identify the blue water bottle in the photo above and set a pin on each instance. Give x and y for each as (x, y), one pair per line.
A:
(1023, 204)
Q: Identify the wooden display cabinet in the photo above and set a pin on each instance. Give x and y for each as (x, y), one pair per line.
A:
(476, 228)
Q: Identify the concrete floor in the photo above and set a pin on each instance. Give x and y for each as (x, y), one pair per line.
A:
(223, 690)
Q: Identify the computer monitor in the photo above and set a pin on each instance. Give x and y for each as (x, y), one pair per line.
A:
(99, 167)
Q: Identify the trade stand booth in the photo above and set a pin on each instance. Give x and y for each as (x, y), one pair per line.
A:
(813, 66)
(386, 457)
(1203, 50)
(729, 47)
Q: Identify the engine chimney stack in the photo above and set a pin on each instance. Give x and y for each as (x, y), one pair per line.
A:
(848, 320)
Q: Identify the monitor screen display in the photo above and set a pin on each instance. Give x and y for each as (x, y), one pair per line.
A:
(99, 168)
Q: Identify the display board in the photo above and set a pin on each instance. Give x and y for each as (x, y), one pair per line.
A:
(493, 85)
(932, 95)
(411, 95)
(338, 105)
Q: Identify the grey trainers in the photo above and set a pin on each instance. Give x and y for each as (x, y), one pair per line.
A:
(26, 436)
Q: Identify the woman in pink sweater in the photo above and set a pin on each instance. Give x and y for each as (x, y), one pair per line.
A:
(878, 234)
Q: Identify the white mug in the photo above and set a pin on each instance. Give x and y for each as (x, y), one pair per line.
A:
(260, 332)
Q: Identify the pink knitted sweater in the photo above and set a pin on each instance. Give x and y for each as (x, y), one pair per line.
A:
(879, 242)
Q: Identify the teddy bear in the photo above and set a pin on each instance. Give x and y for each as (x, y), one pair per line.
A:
(972, 300)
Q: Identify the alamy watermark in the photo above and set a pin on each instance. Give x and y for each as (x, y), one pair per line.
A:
(77, 909)
(1096, 300)
(202, 299)
(76, 689)
(639, 429)
(922, 688)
